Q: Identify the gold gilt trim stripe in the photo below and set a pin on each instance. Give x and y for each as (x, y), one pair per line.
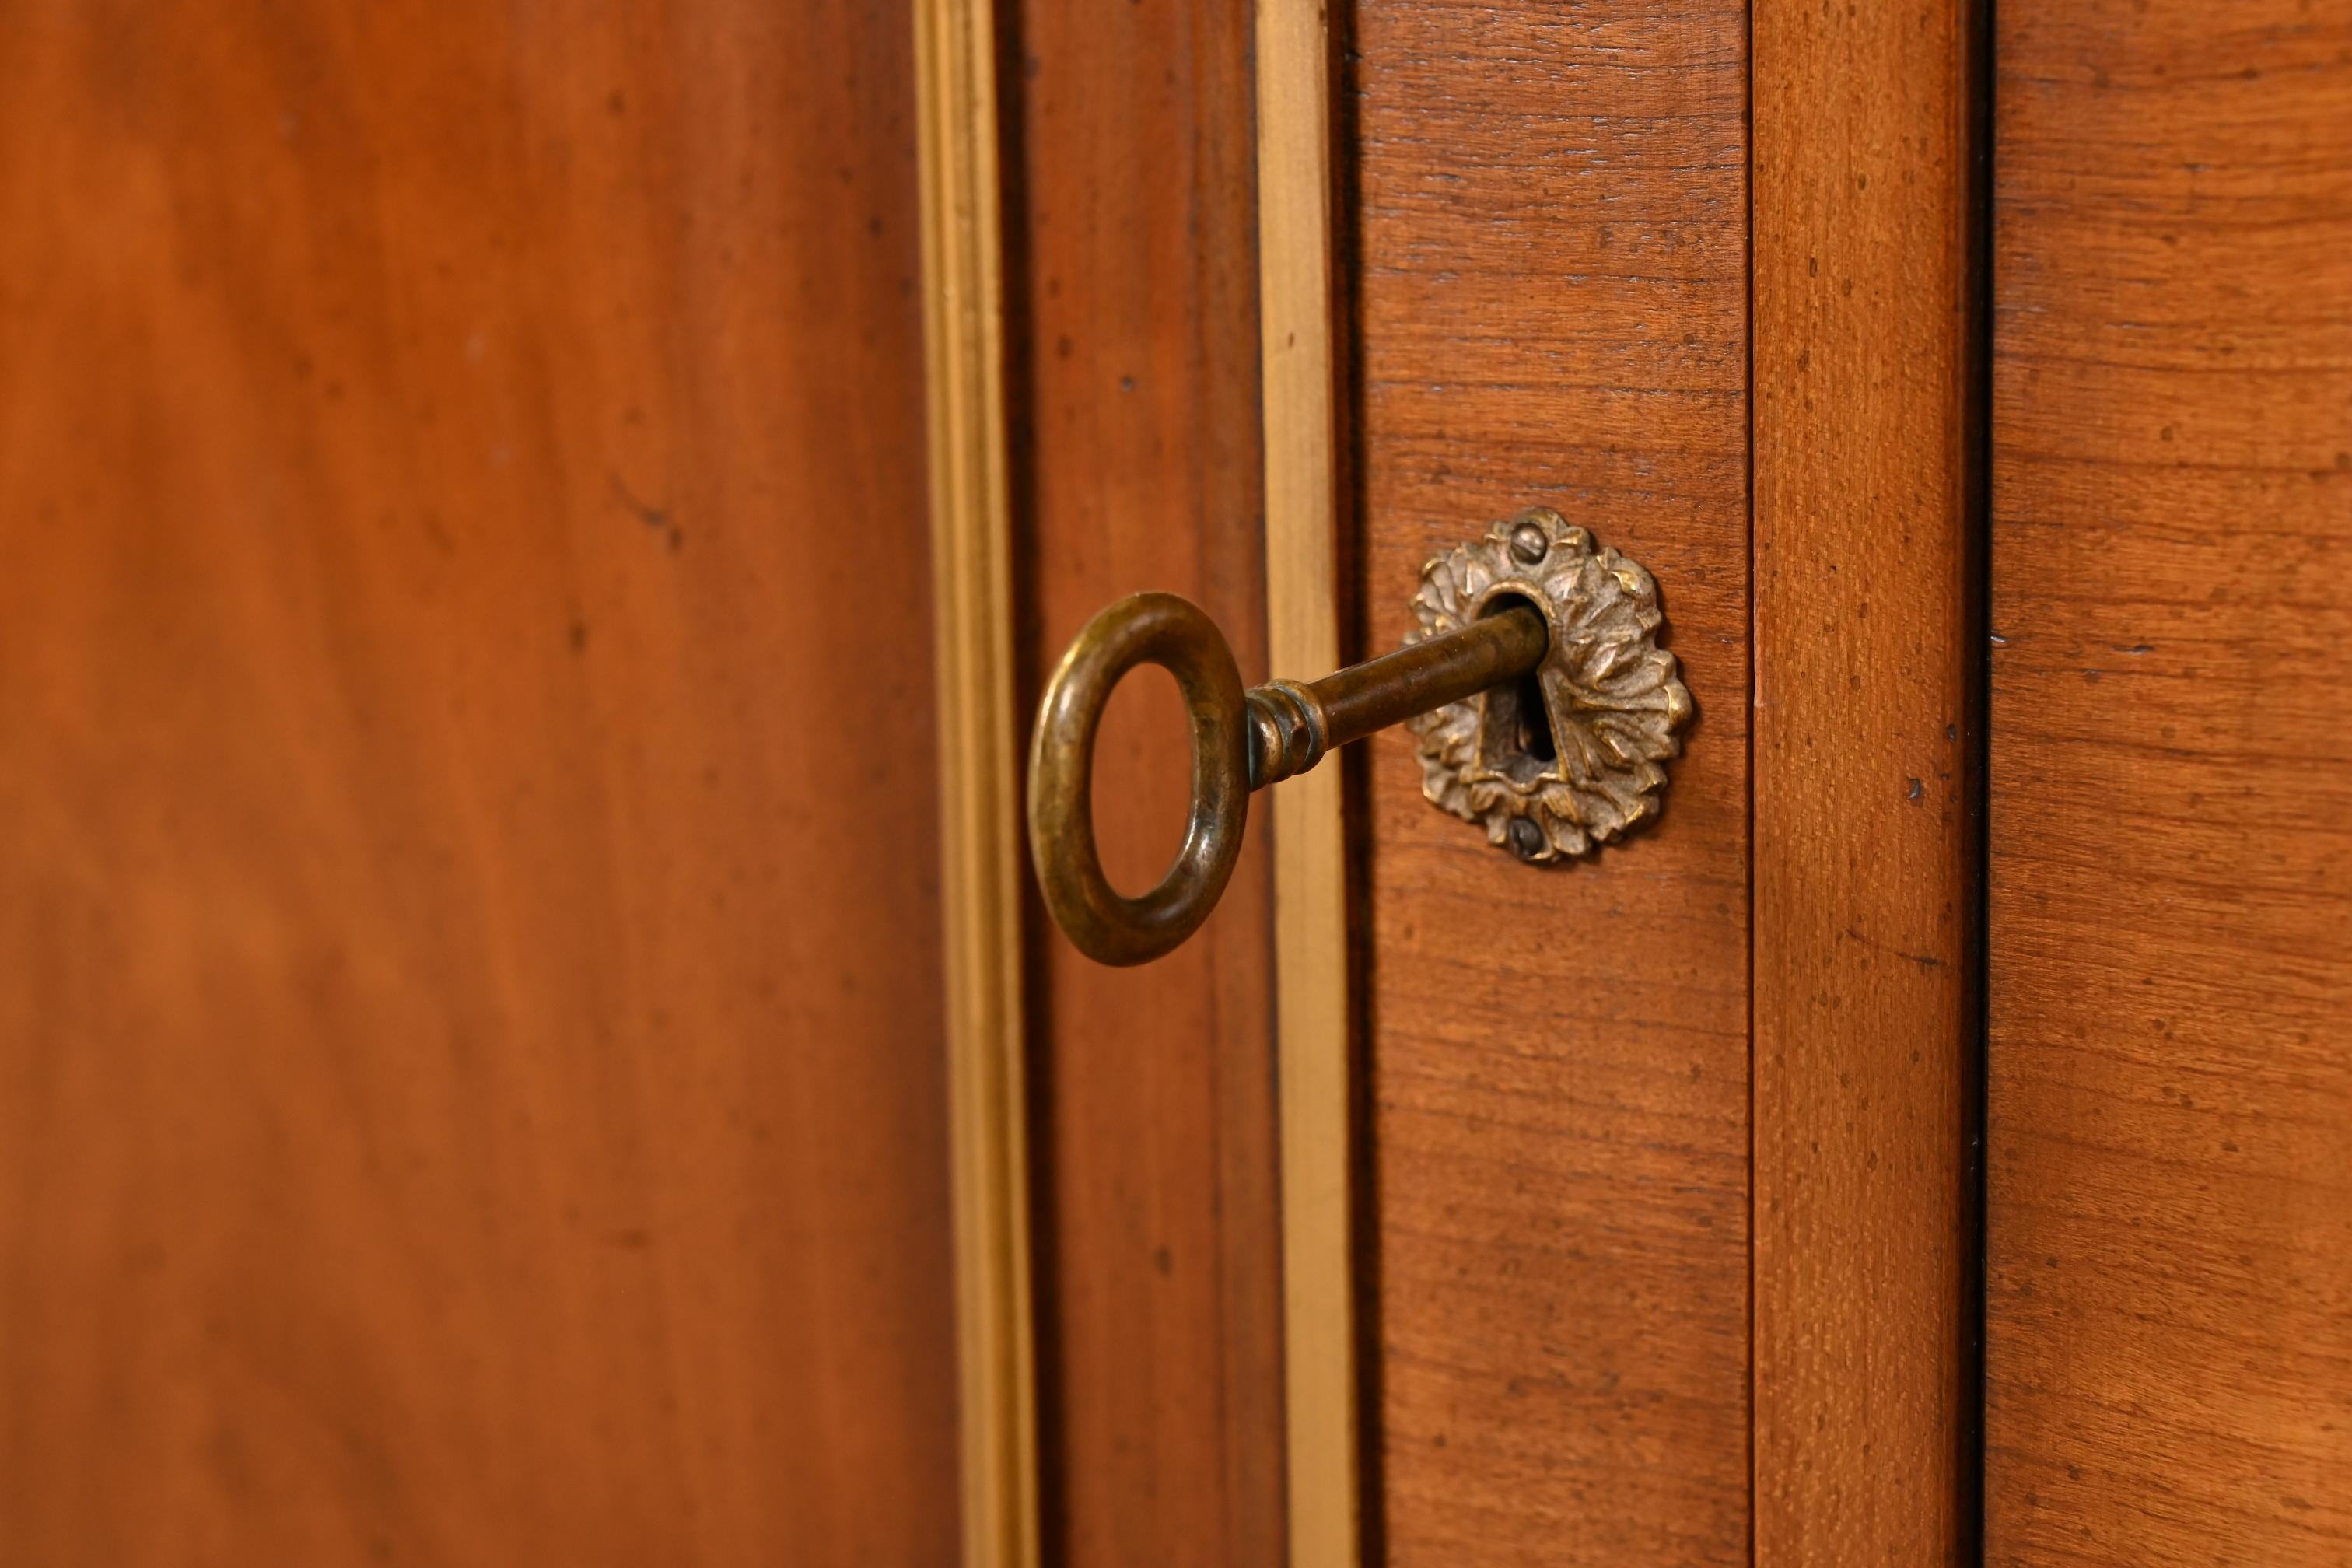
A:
(979, 782)
(1294, 171)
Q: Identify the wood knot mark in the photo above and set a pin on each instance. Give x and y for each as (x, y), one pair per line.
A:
(653, 517)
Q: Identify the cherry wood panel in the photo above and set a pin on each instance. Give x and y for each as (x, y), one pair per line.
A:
(2169, 1297)
(471, 1075)
(1133, 398)
(1868, 654)
(1551, 306)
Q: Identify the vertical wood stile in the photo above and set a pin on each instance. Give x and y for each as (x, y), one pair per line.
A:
(1865, 322)
(1312, 1015)
(980, 849)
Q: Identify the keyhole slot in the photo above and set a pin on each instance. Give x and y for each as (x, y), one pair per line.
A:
(1517, 739)
(1534, 719)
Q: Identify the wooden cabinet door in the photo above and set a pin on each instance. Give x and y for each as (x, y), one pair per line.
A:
(470, 1073)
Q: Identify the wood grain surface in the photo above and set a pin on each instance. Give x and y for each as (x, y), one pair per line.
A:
(470, 1074)
(1133, 395)
(1868, 650)
(2170, 1335)
(1553, 308)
